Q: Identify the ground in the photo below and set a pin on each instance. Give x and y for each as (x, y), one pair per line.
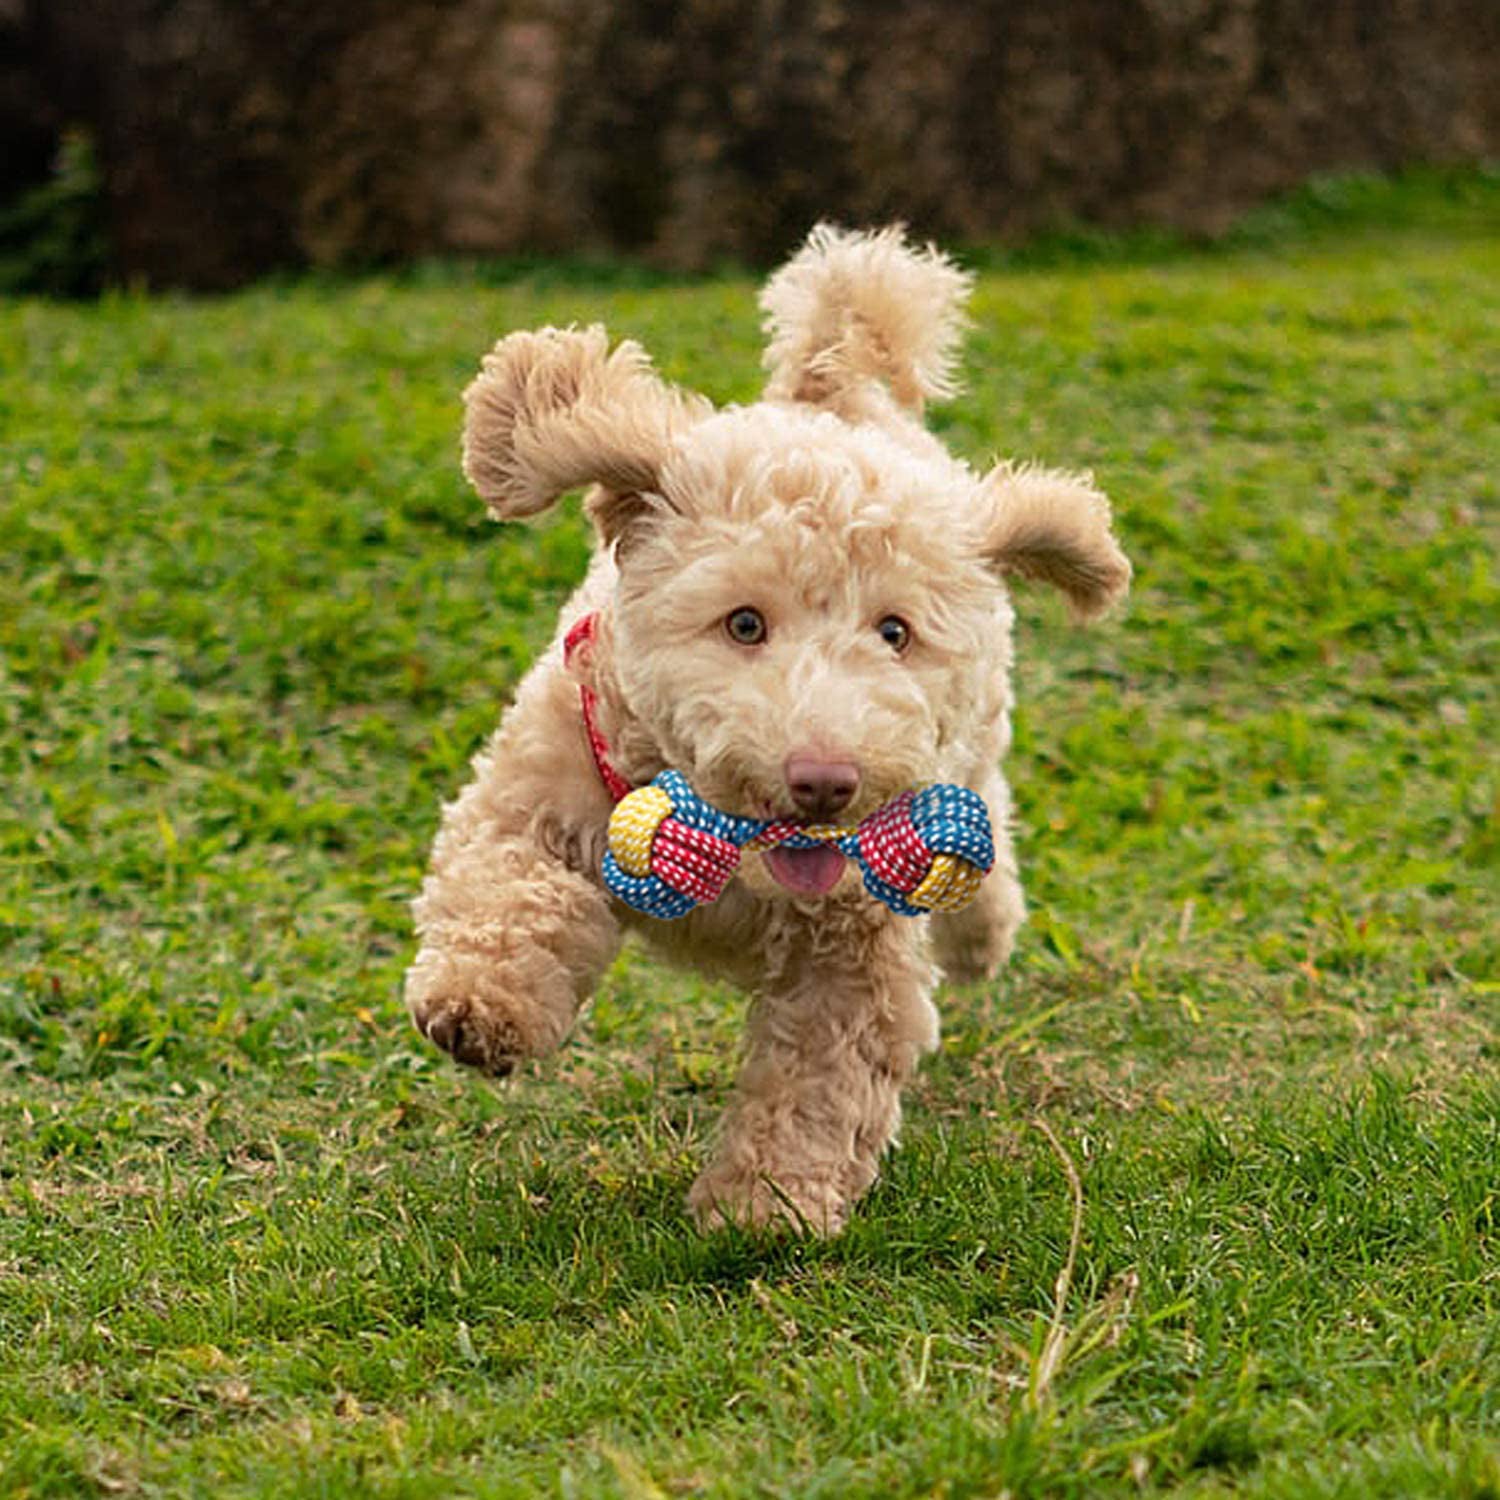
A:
(1200, 1199)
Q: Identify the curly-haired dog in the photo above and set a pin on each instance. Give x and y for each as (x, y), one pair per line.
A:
(801, 606)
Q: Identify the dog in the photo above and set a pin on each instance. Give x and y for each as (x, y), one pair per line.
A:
(801, 605)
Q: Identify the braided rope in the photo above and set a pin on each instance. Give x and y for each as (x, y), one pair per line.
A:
(670, 851)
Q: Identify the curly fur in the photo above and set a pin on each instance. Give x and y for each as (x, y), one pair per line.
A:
(827, 507)
(854, 311)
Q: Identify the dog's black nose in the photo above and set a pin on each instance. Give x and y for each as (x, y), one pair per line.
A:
(820, 787)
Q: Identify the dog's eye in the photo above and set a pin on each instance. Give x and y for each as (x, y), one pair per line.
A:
(895, 632)
(746, 626)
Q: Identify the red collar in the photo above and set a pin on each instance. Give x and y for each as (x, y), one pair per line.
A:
(581, 635)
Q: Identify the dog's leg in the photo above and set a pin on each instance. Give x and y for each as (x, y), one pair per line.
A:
(514, 938)
(974, 943)
(832, 1041)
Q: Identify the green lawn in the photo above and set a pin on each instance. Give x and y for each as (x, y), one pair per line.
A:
(256, 1238)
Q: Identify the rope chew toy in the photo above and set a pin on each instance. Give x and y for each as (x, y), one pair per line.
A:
(670, 851)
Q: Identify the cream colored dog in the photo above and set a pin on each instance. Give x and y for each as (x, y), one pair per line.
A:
(800, 605)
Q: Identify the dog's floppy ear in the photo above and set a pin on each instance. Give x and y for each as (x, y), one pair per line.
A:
(555, 409)
(1046, 525)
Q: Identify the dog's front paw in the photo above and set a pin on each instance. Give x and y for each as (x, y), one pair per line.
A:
(972, 959)
(973, 945)
(459, 1002)
(469, 1036)
(756, 1200)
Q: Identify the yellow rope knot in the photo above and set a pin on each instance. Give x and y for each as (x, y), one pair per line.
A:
(633, 825)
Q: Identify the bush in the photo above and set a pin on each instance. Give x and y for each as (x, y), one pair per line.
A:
(52, 238)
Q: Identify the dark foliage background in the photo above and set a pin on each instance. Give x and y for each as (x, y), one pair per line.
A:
(235, 137)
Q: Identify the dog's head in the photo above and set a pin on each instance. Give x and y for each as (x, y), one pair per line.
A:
(811, 612)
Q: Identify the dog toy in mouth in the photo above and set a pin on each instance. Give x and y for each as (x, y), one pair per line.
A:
(670, 851)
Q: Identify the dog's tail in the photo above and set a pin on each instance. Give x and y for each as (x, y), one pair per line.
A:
(855, 307)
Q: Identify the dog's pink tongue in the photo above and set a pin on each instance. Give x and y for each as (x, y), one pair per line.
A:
(808, 872)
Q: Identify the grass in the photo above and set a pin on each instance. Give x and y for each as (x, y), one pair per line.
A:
(1200, 1200)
